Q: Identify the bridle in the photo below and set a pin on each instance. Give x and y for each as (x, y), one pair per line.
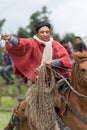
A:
(15, 120)
(68, 105)
(80, 72)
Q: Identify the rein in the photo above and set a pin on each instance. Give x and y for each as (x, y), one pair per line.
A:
(68, 105)
(17, 121)
(77, 114)
(70, 86)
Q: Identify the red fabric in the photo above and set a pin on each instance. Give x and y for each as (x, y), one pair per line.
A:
(64, 102)
(59, 52)
(28, 54)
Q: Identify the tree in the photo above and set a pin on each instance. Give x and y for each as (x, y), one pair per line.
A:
(23, 33)
(29, 31)
(69, 37)
(36, 17)
(56, 37)
(1, 24)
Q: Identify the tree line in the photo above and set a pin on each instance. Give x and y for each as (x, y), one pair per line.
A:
(29, 31)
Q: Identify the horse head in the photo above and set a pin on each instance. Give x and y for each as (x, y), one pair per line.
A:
(79, 70)
(18, 119)
(76, 115)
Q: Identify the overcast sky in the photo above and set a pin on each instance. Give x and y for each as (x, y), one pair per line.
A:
(67, 15)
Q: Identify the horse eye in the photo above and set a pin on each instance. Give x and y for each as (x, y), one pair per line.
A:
(83, 70)
(23, 109)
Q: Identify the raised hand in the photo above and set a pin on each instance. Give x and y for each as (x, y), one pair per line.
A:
(4, 36)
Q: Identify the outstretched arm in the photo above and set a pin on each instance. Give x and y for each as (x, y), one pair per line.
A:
(5, 36)
(12, 39)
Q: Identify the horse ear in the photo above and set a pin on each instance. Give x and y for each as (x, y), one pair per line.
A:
(79, 55)
(76, 56)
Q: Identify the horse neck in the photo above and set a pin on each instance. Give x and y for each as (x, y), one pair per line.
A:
(74, 77)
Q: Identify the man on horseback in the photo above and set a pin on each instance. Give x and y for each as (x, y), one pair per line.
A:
(30, 54)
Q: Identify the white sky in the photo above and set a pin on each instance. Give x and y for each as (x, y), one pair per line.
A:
(67, 15)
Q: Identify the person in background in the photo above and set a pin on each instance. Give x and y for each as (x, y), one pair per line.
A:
(80, 46)
(69, 47)
(5, 69)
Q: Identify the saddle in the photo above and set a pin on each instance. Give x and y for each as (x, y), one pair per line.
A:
(64, 91)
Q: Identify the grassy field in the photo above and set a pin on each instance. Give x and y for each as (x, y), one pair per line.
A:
(5, 115)
(8, 102)
(4, 118)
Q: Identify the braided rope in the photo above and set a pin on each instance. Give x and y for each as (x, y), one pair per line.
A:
(41, 106)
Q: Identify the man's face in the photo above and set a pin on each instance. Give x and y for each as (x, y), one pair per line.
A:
(43, 33)
(78, 40)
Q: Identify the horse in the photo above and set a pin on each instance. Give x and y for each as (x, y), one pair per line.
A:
(75, 115)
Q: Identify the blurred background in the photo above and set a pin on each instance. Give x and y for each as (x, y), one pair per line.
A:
(68, 17)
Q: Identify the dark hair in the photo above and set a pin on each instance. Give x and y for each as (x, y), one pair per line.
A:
(78, 37)
(41, 24)
(63, 42)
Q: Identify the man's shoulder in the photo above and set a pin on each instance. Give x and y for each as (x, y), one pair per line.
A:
(83, 44)
(31, 41)
(56, 44)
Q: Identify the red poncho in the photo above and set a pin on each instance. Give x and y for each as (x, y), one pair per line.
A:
(28, 55)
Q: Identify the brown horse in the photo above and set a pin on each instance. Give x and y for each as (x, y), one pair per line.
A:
(19, 120)
(75, 116)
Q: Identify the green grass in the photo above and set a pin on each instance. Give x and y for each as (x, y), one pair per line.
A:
(7, 101)
(4, 118)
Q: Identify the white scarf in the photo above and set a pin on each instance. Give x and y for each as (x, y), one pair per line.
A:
(47, 54)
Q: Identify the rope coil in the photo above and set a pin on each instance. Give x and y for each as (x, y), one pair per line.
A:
(41, 106)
